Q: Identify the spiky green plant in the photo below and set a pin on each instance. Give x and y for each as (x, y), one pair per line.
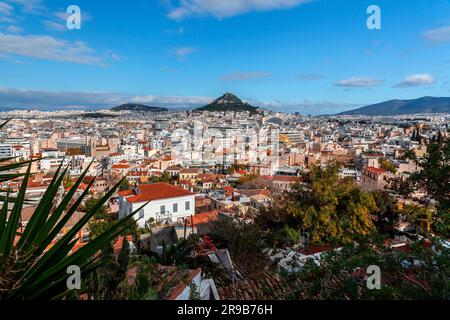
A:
(29, 271)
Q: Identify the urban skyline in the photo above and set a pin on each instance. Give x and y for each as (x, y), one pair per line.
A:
(224, 150)
(312, 57)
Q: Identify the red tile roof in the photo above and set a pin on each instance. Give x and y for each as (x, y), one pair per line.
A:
(126, 193)
(286, 178)
(204, 217)
(375, 170)
(178, 290)
(120, 166)
(157, 191)
(137, 174)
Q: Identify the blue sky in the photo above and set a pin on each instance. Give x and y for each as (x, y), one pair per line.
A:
(313, 56)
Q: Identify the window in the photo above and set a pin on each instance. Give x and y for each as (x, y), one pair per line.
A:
(141, 214)
(187, 205)
(175, 207)
(162, 209)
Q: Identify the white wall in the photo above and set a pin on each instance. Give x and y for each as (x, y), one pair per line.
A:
(153, 208)
(185, 295)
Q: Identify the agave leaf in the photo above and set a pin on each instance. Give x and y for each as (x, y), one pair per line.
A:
(42, 210)
(30, 277)
(58, 290)
(83, 254)
(17, 165)
(46, 238)
(10, 176)
(98, 243)
(47, 258)
(7, 159)
(45, 230)
(7, 237)
(3, 216)
(5, 123)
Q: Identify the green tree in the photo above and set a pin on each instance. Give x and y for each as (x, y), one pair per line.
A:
(244, 241)
(387, 213)
(433, 177)
(125, 185)
(341, 275)
(165, 177)
(68, 182)
(387, 165)
(110, 282)
(325, 207)
(102, 221)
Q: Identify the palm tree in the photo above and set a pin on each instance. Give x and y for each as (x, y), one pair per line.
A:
(28, 269)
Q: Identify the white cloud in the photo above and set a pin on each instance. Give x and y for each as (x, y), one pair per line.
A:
(26, 98)
(174, 100)
(14, 29)
(358, 82)
(54, 100)
(177, 31)
(236, 76)
(51, 100)
(438, 35)
(5, 9)
(183, 52)
(62, 15)
(416, 80)
(56, 26)
(57, 22)
(308, 106)
(49, 48)
(228, 8)
(30, 6)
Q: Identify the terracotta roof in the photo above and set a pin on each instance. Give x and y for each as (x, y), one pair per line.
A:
(286, 178)
(208, 176)
(204, 217)
(27, 213)
(125, 193)
(190, 170)
(265, 287)
(115, 154)
(119, 244)
(33, 184)
(137, 174)
(156, 191)
(178, 290)
(253, 192)
(375, 170)
(120, 166)
(174, 168)
(170, 281)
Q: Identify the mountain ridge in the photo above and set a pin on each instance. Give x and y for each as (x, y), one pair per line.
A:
(393, 107)
(138, 107)
(228, 102)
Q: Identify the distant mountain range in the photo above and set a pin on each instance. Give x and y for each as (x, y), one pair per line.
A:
(228, 103)
(398, 107)
(138, 107)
